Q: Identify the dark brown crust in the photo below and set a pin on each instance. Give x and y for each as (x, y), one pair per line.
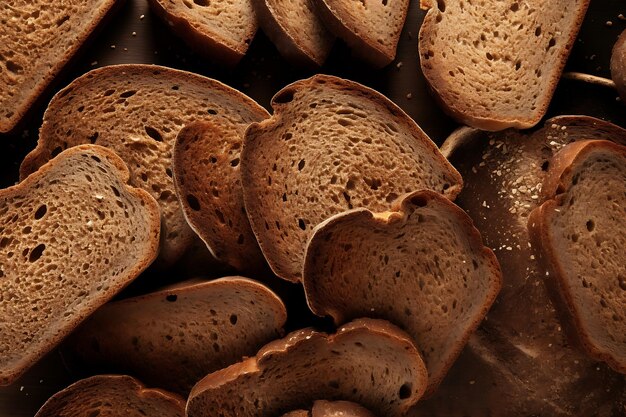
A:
(439, 91)
(618, 65)
(373, 53)
(192, 178)
(206, 44)
(55, 404)
(540, 229)
(399, 214)
(153, 218)
(251, 144)
(8, 125)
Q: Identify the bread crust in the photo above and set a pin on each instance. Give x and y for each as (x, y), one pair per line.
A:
(618, 65)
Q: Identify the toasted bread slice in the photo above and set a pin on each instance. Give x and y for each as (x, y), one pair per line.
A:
(330, 146)
(370, 362)
(370, 27)
(495, 65)
(296, 30)
(580, 232)
(189, 330)
(137, 110)
(323, 408)
(109, 396)
(208, 183)
(37, 42)
(421, 266)
(73, 235)
(221, 30)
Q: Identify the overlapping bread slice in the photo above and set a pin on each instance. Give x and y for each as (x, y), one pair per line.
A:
(331, 145)
(370, 27)
(520, 361)
(421, 266)
(208, 182)
(73, 234)
(222, 30)
(495, 64)
(296, 30)
(618, 65)
(580, 233)
(173, 338)
(370, 362)
(37, 42)
(109, 396)
(323, 408)
(137, 110)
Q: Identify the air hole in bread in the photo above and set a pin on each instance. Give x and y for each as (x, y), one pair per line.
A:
(301, 224)
(94, 137)
(36, 253)
(115, 191)
(286, 96)
(203, 3)
(175, 87)
(233, 319)
(220, 216)
(188, 4)
(301, 165)
(441, 5)
(128, 93)
(95, 158)
(234, 162)
(212, 111)
(108, 92)
(41, 211)
(551, 44)
(240, 239)
(545, 165)
(538, 31)
(193, 202)
(590, 225)
(153, 133)
(622, 282)
(171, 298)
(514, 7)
(405, 391)
(13, 67)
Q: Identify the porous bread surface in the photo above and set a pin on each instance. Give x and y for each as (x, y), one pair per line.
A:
(423, 268)
(73, 235)
(369, 362)
(331, 145)
(112, 396)
(37, 41)
(210, 194)
(324, 408)
(137, 110)
(582, 233)
(373, 26)
(173, 338)
(618, 65)
(495, 64)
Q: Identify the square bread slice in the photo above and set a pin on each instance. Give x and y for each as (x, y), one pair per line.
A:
(37, 39)
(73, 235)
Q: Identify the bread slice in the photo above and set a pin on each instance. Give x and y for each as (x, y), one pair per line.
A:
(296, 30)
(371, 28)
(323, 408)
(73, 235)
(222, 30)
(330, 146)
(173, 338)
(137, 110)
(112, 395)
(208, 182)
(580, 232)
(495, 65)
(618, 65)
(37, 42)
(370, 362)
(522, 348)
(421, 266)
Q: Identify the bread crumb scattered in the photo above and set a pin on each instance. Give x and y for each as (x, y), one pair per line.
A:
(399, 64)
(112, 46)
(621, 17)
(94, 63)
(142, 16)
(134, 34)
(609, 23)
(409, 96)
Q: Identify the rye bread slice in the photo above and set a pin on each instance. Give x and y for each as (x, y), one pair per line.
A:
(37, 42)
(580, 233)
(173, 338)
(370, 27)
(296, 30)
(618, 65)
(520, 361)
(73, 235)
(207, 179)
(370, 362)
(421, 266)
(137, 110)
(221, 30)
(331, 145)
(323, 408)
(495, 64)
(110, 396)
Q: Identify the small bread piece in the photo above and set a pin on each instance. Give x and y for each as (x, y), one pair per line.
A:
(173, 338)
(370, 362)
(37, 42)
(296, 30)
(421, 266)
(208, 183)
(495, 64)
(222, 30)
(618, 65)
(112, 396)
(137, 110)
(73, 235)
(331, 145)
(370, 27)
(323, 408)
(580, 232)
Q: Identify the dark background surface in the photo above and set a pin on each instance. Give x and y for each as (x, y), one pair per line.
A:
(260, 74)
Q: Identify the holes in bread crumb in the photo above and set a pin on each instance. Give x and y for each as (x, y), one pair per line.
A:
(203, 3)
(514, 7)
(108, 92)
(188, 4)
(220, 216)
(193, 202)
(538, 31)
(36, 253)
(234, 162)
(95, 158)
(518, 65)
(301, 224)
(551, 44)
(405, 391)
(128, 93)
(545, 165)
(233, 319)
(441, 5)
(41, 211)
(621, 280)
(212, 111)
(590, 225)
(153, 133)
(171, 298)
(13, 67)
(301, 165)
(283, 97)
(574, 237)
(115, 191)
